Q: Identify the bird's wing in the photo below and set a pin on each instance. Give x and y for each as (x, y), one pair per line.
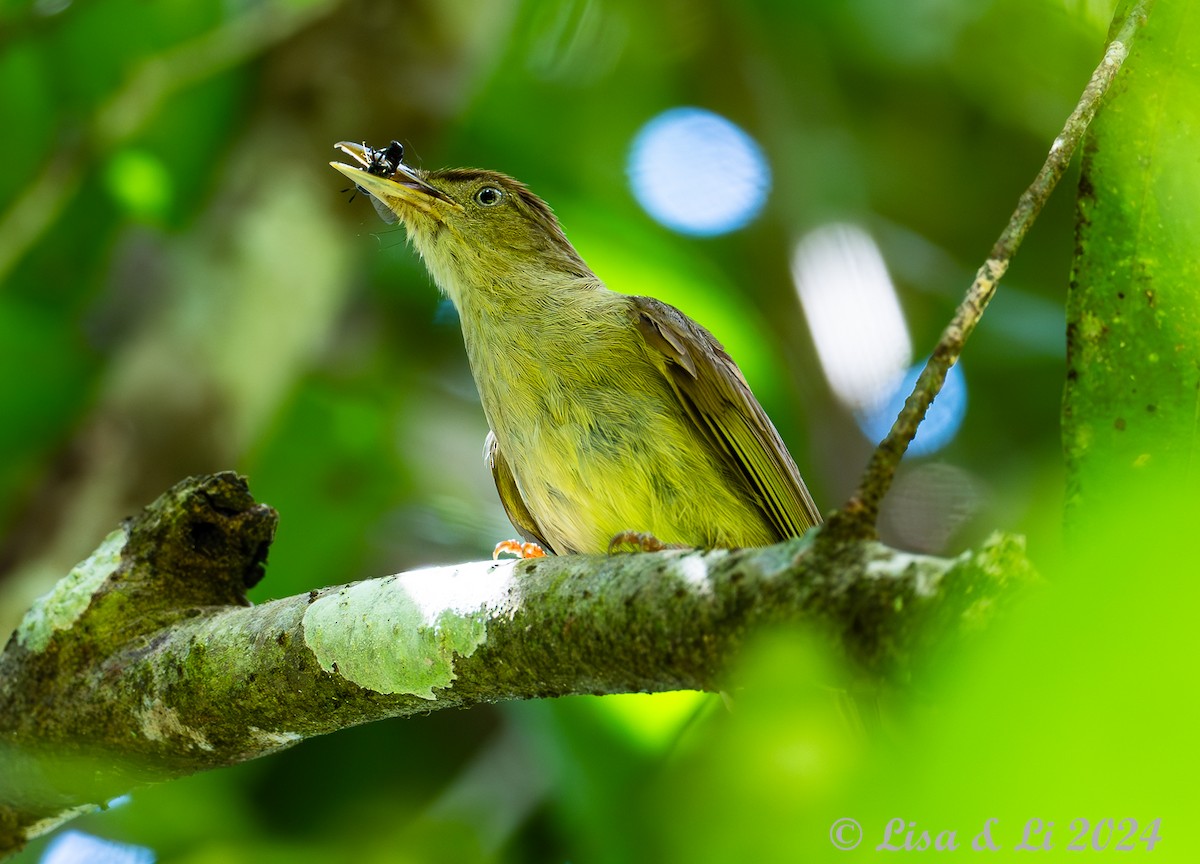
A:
(717, 398)
(510, 495)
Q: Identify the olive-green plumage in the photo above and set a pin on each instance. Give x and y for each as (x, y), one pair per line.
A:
(609, 413)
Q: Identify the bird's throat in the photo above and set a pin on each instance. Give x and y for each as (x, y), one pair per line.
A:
(530, 350)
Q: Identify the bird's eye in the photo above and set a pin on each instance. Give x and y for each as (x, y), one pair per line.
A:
(488, 196)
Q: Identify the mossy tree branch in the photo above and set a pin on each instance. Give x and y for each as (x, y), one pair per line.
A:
(147, 662)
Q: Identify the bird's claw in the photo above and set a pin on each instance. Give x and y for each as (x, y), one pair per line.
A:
(637, 541)
(518, 549)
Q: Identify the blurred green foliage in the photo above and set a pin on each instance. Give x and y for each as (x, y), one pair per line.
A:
(183, 289)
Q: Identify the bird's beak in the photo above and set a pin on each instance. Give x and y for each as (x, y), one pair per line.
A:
(405, 188)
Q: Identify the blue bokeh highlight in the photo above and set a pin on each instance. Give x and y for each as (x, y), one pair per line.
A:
(941, 423)
(698, 173)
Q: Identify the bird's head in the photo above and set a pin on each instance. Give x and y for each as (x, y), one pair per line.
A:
(477, 230)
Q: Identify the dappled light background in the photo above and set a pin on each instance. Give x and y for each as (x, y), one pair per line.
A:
(188, 287)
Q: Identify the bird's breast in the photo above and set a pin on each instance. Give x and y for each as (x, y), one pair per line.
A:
(599, 443)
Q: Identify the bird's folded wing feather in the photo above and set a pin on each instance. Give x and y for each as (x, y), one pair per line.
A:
(719, 402)
(510, 495)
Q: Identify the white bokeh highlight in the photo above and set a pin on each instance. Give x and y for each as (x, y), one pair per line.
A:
(76, 847)
(862, 340)
(853, 314)
(698, 173)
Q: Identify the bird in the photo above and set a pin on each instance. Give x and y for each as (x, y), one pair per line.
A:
(614, 418)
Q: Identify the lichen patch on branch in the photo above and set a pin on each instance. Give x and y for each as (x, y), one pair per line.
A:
(693, 570)
(59, 608)
(160, 722)
(401, 634)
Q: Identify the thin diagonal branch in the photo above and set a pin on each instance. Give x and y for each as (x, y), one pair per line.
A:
(857, 518)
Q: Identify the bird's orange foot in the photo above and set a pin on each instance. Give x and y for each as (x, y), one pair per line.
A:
(637, 541)
(518, 549)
